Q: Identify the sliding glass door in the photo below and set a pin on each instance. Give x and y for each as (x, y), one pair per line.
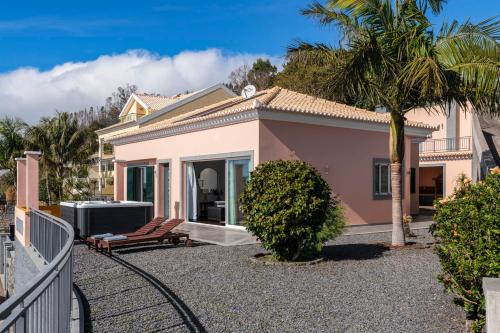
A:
(238, 173)
(140, 183)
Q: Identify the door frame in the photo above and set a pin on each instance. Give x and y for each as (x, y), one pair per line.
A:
(237, 155)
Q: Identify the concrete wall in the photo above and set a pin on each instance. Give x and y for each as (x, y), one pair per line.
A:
(345, 159)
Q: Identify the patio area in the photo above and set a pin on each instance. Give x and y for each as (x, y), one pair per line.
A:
(362, 287)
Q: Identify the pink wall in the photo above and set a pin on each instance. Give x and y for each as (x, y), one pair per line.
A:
(453, 168)
(32, 179)
(242, 137)
(119, 181)
(21, 182)
(414, 209)
(345, 159)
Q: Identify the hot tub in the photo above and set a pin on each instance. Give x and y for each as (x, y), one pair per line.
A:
(98, 217)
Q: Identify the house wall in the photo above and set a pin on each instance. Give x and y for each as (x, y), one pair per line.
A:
(241, 137)
(414, 204)
(453, 168)
(345, 159)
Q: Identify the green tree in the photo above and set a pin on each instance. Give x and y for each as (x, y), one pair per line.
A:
(64, 145)
(467, 227)
(391, 55)
(262, 73)
(12, 131)
(312, 77)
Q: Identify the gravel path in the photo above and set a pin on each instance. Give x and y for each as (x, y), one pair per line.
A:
(363, 287)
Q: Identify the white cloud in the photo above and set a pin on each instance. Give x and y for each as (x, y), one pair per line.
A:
(30, 93)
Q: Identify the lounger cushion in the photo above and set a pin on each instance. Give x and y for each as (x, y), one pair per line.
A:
(115, 238)
(101, 236)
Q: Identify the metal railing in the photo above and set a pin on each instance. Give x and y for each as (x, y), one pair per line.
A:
(44, 306)
(445, 145)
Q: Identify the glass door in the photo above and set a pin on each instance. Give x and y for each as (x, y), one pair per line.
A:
(238, 173)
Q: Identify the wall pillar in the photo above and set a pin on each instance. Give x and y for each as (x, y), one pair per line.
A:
(21, 182)
(159, 190)
(99, 165)
(32, 180)
(119, 181)
(491, 287)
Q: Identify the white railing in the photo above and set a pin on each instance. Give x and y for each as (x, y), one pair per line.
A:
(44, 306)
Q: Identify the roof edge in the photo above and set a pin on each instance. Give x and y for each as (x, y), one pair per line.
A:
(184, 101)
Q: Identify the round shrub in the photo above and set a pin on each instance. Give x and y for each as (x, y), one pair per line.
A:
(289, 207)
(467, 228)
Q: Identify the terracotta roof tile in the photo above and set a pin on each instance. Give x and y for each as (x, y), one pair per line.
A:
(276, 99)
(158, 102)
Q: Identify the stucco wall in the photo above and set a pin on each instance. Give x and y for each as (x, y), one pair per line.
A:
(345, 159)
(452, 170)
(222, 140)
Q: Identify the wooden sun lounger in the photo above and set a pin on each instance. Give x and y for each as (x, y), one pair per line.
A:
(142, 231)
(162, 233)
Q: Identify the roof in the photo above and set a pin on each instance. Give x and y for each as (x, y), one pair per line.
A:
(158, 102)
(275, 99)
(448, 155)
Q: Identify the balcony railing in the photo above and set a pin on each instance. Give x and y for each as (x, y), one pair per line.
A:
(445, 145)
(129, 117)
(45, 304)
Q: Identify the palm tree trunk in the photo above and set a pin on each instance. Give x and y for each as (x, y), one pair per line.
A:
(396, 151)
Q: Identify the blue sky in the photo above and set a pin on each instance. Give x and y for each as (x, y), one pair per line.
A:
(70, 55)
(47, 33)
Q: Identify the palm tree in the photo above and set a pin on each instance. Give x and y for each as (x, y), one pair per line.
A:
(391, 55)
(64, 145)
(11, 144)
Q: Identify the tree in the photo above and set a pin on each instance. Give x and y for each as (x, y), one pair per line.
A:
(262, 74)
(12, 131)
(64, 145)
(312, 77)
(238, 79)
(391, 56)
(117, 101)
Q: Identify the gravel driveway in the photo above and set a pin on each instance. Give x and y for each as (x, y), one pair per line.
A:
(362, 287)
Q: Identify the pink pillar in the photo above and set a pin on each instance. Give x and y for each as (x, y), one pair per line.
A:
(32, 181)
(119, 188)
(21, 182)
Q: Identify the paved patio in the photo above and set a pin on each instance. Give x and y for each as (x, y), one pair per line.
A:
(224, 236)
(362, 287)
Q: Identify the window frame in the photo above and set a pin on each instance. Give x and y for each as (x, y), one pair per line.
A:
(376, 174)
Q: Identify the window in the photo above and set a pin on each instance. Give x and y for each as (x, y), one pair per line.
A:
(382, 179)
(382, 175)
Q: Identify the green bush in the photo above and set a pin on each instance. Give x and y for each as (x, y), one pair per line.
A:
(467, 228)
(289, 207)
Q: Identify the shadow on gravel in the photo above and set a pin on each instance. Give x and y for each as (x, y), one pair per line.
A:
(152, 247)
(87, 322)
(354, 251)
(188, 317)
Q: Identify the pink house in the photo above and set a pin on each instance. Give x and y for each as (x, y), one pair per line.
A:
(195, 165)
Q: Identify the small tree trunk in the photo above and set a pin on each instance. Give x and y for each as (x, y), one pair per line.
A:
(396, 150)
